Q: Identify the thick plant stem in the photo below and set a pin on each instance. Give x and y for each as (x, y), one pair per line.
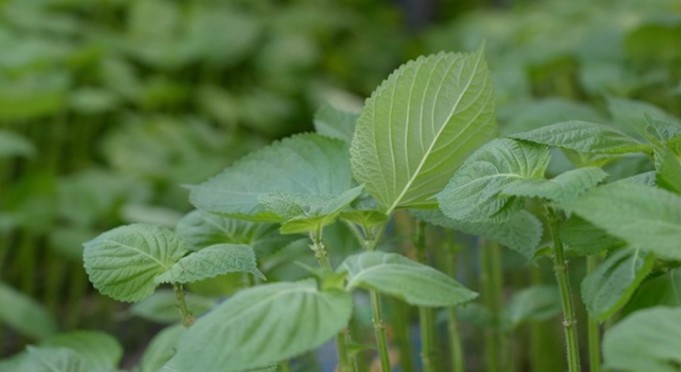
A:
(593, 328)
(187, 316)
(323, 259)
(429, 357)
(379, 331)
(560, 268)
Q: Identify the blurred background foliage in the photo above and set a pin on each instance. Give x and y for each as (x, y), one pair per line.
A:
(109, 107)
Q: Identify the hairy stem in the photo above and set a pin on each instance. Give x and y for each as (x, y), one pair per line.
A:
(593, 328)
(379, 331)
(560, 268)
(187, 316)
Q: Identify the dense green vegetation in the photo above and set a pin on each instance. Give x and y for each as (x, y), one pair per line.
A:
(555, 135)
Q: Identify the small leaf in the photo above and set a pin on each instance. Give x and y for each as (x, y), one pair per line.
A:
(648, 340)
(582, 237)
(12, 144)
(536, 303)
(611, 284)
(161, 348)
(99, 351)
(306, 164)
(419, 125)
(473, 192)
(263, 325)
(335, 123)
(584, 137)
(24, 314)
(210, 262)
(123, 262)
(521, 232)
(634, 115)
(161, 306)
(661, 290)
(668, 170)
(199, 229)
(398, 276)
(643, 216)
(561, 189)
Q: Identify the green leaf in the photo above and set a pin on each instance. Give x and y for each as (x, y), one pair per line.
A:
(335, 123)
(199, 229)
(561, 189)
(123, 263)
(24, 314)
(98, 351)
(400, 277)
(12, 144)
(521, 232)
(473, 192)
(648, 340)
(161, 306)
(419, 125)
(263, 325)
(583, 238)
(643, 216)
(307, 164)
(611, 284)
(635, 115)
(51, 359)
(161, 348)
(668, 170)
(210, 262)
(661, 290)
(584, 137)
(536, 303)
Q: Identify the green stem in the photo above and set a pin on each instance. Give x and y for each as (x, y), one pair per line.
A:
(455, 344)
(379, 331)
(490, 280)
(560, 268)
(400, 326)
(593, 328)
(187, 316)
(429, 357)
(322, 257)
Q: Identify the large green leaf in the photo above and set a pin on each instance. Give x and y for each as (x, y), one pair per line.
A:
(611, 284)
(634, 116)
(473, 192)
(161, 348)
(398, 276)
(123, 262)
(24, 314)
(561, 189)
(210, 262)
(51, 359)
(263, 325)
(419, 125)
(661, 290)
(584, 137)
(307, 164)
(199, 229)
(648, 340)
(521, 232)
(99, 351)
(535, 303)
(645, 217)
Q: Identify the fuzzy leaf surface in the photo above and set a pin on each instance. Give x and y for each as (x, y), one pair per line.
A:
(561, 189)
(658, 329)
(123, 263)
(333, 122)
(263, 325)
(161, 348)
(645, 217)
(584, 137)
(199, 229)
(210, 262)
(521, 232)
(419, 125)
(397, 276)
(473, 193)
(306, 164)
(611, 284)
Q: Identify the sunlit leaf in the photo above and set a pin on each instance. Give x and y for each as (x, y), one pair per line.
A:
(263, 325)
(398, 276)
(419, 125)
